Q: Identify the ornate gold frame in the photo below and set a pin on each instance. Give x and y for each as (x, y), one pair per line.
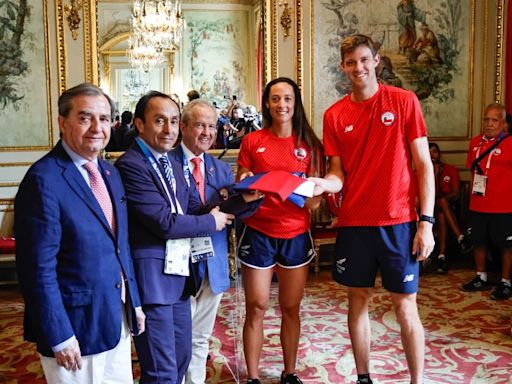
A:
(299, 56)
(500, 50)
(48, 91)
(90, 9)
(499, 73)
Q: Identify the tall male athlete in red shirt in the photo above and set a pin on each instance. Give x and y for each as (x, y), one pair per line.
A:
(372, 136)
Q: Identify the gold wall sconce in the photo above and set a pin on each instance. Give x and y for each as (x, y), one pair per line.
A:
(73, 17)
(286, 17)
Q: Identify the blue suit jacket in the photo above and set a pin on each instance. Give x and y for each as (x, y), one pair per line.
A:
(151, 223)
(69, 262)
(218, 175)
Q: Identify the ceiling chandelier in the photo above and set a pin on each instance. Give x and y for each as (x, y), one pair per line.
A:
(144, 55)
(157, 27)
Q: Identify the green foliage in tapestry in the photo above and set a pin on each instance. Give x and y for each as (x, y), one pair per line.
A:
(13, 16)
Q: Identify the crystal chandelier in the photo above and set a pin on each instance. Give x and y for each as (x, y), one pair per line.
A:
(142, 54)
(157, 26)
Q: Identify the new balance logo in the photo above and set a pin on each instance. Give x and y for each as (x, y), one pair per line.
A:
(508, 238)
(408, 278)
(260, 150)
(340, 268)
(244, 250)
(349, 128)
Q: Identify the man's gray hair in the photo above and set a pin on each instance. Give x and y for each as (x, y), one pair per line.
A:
(187, 109)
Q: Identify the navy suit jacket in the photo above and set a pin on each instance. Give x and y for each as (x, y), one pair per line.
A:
(68, 260)
(151, 223)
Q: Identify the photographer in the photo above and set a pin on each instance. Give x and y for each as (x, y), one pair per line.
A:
(241, 124)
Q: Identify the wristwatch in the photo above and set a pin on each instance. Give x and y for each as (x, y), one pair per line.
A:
(430, 219)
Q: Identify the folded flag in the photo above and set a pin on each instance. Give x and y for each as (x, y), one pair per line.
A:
(285, 184)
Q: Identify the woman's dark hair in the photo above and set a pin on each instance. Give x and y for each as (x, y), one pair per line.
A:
(300, 125)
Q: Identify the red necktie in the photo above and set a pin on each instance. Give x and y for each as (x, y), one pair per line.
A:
(198, 177)
(100, 191)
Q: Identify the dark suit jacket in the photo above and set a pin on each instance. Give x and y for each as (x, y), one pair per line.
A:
(151, 223)
(69, 263)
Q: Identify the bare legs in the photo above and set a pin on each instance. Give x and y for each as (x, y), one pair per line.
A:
(257, 290)
(290, 296)
(446, 219)
(412, 333)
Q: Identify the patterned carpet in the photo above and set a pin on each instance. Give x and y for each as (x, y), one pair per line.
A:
(468, 337)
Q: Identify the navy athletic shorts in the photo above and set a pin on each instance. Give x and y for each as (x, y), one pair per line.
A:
(260, 251)
(363, 251)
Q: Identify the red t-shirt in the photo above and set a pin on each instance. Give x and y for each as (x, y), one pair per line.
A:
(260, 152)
(448, 179)
(372, 139)
(498, 192)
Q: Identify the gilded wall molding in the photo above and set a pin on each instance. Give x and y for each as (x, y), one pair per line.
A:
(299, 55)
(472, 55)
(312, 64)
(485, 55)
(500, 51)
(17, 164)
(264, 40)
(61, 46)
(91, 41)
(286, 18)
(73, 17)
(274, 35)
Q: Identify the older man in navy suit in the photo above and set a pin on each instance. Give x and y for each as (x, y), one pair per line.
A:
(72, 251)
(209, 179)
(159, 201)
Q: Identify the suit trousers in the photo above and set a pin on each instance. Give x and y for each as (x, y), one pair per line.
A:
(204, 307)
(109, 367)
(164, 349)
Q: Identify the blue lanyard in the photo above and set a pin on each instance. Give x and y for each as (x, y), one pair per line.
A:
(171, 194)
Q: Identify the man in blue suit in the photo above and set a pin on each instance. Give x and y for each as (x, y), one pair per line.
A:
(159, 200)
(198, 129)
(72, 251)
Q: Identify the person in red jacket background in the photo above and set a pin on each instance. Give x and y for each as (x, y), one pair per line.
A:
(447, 193)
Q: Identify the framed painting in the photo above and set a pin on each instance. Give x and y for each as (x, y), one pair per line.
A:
(426, 46)
(25, 81)
(217, 58)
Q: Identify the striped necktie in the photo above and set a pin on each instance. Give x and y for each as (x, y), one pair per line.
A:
(164, 162)
(100, 191)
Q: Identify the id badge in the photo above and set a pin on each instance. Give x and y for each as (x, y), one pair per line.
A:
(177, 255)
(479, 184)
(201, 248)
